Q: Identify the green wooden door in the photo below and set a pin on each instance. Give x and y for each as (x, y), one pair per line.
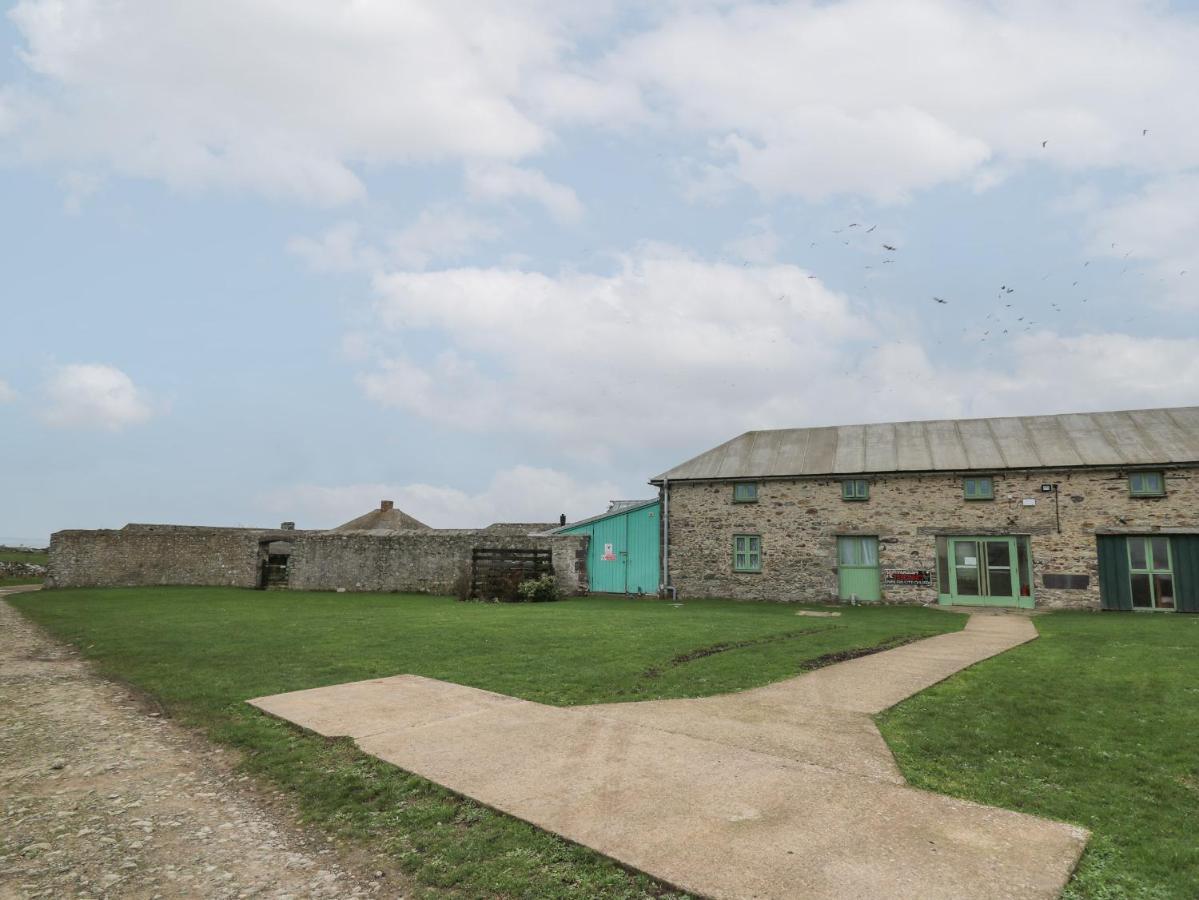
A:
(857, 568)
(609, 555)
(983, 571)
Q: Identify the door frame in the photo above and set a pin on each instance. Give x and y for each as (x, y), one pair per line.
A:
(843, 569)
(1015, 600)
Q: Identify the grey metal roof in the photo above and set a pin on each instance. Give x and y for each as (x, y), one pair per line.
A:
(615, 508)
(1129, 438)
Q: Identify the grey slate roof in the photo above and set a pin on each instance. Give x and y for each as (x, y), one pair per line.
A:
(1130, 438)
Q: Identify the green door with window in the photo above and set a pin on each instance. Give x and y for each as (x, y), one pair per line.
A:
(984, 571)
(1151, 573)
(857, 568)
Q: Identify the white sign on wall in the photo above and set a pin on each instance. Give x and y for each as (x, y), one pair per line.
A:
(608, 556)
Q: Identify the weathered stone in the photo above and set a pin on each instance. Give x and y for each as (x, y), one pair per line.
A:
(907, 513)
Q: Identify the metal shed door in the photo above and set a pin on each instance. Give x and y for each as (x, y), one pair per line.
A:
(609, 555)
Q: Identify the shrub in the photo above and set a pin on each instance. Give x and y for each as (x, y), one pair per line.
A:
(463, 583)
(539, 590)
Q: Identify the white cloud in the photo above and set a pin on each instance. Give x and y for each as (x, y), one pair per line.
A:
(881, 99)
(1158, 225)
(7, 394)
(501, 182)
(94, 396)
(519, 494)
(440, 233)
(338, 249)
(289, 98)
(674, 351)
(596, 360)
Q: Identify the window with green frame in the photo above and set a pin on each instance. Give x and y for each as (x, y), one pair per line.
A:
(979, 488)
(745, 492)
(747, 553)
(855, 489)
(1147, 484)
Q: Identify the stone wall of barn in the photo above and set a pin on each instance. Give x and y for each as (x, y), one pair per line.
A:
(138, 555)
(411, 561)
(426, 561)
(799, 521)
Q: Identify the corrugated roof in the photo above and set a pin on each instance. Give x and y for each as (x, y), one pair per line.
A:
(1129, 438)
(615, 508)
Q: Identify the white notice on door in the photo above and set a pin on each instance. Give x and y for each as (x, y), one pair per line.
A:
(970, 561)
(608, 556)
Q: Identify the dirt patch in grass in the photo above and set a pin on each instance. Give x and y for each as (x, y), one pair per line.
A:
(724, 647)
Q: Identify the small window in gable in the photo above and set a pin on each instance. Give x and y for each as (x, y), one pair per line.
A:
(979, 488)
(1147, 484)
(745, 492)
(855, 489)
(747, 553)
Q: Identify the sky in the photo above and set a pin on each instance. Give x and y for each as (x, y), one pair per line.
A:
(266, 261)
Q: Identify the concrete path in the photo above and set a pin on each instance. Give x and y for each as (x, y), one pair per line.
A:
(784, 791)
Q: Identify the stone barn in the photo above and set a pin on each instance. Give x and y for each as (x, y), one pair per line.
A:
(1089, 510)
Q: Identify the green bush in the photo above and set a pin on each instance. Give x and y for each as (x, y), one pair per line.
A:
(539, 590)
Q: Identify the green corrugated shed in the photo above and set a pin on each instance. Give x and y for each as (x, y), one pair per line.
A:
(623, 557)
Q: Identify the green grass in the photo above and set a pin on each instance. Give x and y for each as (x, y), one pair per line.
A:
(15, 554)
(201, 652)
(1096, 723)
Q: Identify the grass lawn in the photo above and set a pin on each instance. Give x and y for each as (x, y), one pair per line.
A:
(203, 651)
(32, 557)
(1097, 723)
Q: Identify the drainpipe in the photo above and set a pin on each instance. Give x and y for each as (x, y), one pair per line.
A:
(666, 585)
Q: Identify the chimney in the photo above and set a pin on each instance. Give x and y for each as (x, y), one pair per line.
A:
(386, 505)
(562, 519)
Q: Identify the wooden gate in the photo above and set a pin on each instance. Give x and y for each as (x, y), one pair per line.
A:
(497, 572)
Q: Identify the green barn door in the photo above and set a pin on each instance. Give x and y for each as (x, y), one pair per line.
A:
(857, 568)
(609, 556)
(982, 572)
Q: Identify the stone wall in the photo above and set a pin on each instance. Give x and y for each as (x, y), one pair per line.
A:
(799, 521)
(412, 561)
(421, 561)
(154, 555)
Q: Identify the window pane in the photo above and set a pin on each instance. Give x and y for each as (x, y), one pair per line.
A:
(1137, 558)
(745, 491)
(1001, 582)
(1140, 592)
(965, 553)
(846, 551)
(869, 551)
(998, 554)
(1022, 555)
(967, 582)
(1154, 483)
(1163, 587)
(942, 565)
(1161, 555)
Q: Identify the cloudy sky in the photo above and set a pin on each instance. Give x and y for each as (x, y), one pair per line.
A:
(266, 260)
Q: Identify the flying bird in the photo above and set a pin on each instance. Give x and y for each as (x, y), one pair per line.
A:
(1043, 143)
(1144, 131)
(939, 300)
(871, 228)
(888, 247)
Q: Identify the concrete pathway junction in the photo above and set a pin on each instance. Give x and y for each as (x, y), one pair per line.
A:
(783, 791)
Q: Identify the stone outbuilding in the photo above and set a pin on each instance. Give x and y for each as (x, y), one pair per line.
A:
(1090, 510)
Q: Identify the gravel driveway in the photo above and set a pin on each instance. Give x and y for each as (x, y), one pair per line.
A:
(101, 798)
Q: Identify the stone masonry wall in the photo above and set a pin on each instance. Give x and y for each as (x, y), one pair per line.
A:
(427, 561)
(154, 555)
(799, 521)
(417, 561)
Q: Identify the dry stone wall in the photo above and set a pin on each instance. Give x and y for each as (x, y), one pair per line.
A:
(799, 521)
(139, 555)
(427, 560)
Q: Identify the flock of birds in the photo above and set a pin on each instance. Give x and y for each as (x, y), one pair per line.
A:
(1001, 319)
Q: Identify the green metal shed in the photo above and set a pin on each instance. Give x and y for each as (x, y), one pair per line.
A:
(623, 557)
